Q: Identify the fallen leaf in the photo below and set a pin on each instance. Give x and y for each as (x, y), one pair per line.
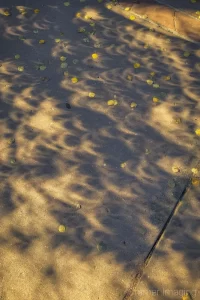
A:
(155, 100)
(132, 17)
(175, 169)
(197, 131)
(109, 6)
(7, 13)
(36, 11)
(81, 30)
(156, 86)
(63, 58)
(42, 41)
(177, 120)
(133, 105)
(149, 81)
(17, 56)
(64, 65)
(66, 3)
(95, 56)
(11, 141)
(112, 102)
(74, 80)
(129, 77)
(20, 68)
(78, 15)
(62, 228)
(167, 78)
(195, 171)
(91, 95)
(195, 181)
(136, 65)
(123, 165)
(152, 74)
(13, 161)
(23, 11)
(187, 296)
(92, 24)
(57, 40)
(42, 67)
(186, 54)
(127, 8)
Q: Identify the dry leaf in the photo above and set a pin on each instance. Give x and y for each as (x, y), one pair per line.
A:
(156, 86)
(167, 78)
(91, 95)
(195, 181)
(149, 81)
(136, 65)
(132, 17)
(63, 58)
(155, 100)
(112, 102)
(36, 11)
(7, 13)
(127, 8)
(74, 80)
(20, 68)
(95, 56)
(133, 105)
(129, 77)
(197, 131)
(42, 41)
(195, 171)
(61, 228)
(175, 169)
(123, 165)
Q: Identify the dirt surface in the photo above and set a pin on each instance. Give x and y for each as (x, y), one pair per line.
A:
(86, 187)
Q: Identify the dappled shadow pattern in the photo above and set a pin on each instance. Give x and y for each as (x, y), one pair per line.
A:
(105, 173)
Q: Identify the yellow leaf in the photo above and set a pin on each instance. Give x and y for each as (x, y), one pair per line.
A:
(156, 86)
(177, 120)
(136, 65)
(132, 17)
(186, 54)
(42, 41)
(109, 6)
(175, 169)
(63, 58)
(20, 68)
(133, 104)
(7, 13)
(195, 181)
(91, 95)
(57, 40)
(197, 131)
(123, 165)
(66, 3)
(152, 74)
(129, 77)
(112, 102)
(36, 11)
(127, 8)
(95, 56)
(155, 100)
(195, 171)
(149, 81)
(198, 12)
(78, 15)
(61, 228)
(167, 78)
(74, 80)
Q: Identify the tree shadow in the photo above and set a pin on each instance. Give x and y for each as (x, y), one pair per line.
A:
(102, 172)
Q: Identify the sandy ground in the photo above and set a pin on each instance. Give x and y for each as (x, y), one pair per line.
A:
(108, 175)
